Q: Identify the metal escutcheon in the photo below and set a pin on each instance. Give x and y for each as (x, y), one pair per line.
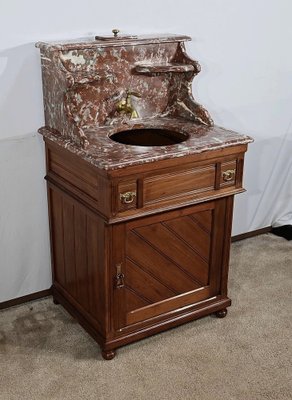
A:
(119, 277)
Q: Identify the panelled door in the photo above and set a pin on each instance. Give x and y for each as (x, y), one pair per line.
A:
(167, 261)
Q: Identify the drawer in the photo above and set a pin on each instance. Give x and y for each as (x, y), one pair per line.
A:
(176, 188)
(177, 185)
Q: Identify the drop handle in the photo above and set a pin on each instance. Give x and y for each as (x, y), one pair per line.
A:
(228, 175)
(127, 197)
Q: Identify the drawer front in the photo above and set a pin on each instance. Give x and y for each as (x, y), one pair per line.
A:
(178, 188)
(178, 184)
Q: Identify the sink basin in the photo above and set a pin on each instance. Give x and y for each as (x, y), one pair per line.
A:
(149, 137)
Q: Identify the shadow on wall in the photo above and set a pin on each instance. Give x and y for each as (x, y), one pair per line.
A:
(267, 161)
(24, 239)
(21, 106)
(277, 198)
(267, 178)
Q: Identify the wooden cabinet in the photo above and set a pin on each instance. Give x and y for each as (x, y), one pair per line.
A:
(139, 250)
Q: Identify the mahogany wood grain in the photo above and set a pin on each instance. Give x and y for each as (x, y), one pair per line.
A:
(78, 254)
(193, 234)
(127, 271)
(56, 226)
(174, 184)
(177, 280)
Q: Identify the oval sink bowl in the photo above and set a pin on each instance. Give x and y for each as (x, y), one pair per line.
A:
(149, 137)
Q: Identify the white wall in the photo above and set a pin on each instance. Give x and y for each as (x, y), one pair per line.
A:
(244, 48)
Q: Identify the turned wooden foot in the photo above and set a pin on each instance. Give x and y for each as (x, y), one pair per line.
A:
(55, 301)
(108, 354)
(221, 313)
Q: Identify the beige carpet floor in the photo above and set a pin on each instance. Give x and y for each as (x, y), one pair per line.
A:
(245, 356)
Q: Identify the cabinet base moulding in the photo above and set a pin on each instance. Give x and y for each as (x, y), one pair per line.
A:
(216, 306)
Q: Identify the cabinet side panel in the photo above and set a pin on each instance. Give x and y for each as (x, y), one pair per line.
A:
(78, 177)
(227, 242)
(69, 247)
(78, 254)
(80, 229)
(218, 239)
(94, 243)
(57, 241)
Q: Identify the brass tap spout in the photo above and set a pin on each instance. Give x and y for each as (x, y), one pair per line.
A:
(125, 105)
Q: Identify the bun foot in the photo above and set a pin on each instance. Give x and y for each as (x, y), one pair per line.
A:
(221, 313)
(108, 354)
(55, 301)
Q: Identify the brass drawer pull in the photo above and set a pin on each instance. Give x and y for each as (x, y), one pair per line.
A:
(228, 175)
(127, 197)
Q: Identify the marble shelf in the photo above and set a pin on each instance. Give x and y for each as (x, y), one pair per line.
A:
(149, 69)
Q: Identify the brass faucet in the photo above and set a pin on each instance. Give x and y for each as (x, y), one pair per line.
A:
(125, 105)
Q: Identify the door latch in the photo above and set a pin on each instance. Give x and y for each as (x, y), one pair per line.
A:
(119, 277)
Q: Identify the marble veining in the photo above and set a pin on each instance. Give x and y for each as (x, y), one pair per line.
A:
(84, 80)
(105, 41)
(107, 154)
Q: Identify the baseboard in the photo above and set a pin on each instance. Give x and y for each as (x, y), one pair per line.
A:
(48, 292)
(25, 299)
(246, 235)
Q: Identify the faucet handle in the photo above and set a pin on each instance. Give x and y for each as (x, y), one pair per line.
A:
(131, 93)
(115, 32)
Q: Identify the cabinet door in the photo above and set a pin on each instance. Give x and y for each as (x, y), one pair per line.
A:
(168, 261)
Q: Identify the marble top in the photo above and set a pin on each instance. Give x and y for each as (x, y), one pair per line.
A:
(107, 154)
(107, 41)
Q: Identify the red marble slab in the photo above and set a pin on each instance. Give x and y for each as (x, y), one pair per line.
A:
(83, 82)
